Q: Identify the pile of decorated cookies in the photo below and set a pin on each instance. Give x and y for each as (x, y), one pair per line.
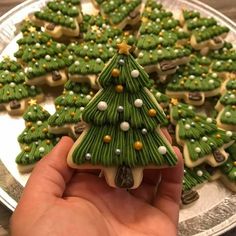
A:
(116, 73)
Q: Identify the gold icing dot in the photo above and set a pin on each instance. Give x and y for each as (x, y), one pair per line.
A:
(86, 58)
(58, 106)
(32, 128)
(218, 136)
(197, 118)
(168, 117)
(72, 114)
(1, 85)
(26, 148)
(28, 124)
(115, 72)
(44, 66)
(8, 93)
(107, 139)
(182, 82)
(152, 112)
(119, 88)
(48, 142)
(138, 145)
(45, 130)
(91, 93)
(234, 163)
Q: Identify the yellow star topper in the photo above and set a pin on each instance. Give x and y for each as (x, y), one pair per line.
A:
(174, 101)
(32, 102)
(32, 29)
(123, 48)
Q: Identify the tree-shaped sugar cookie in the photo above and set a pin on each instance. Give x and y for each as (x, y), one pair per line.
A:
(120, 13)
(35, 140)
(224, 61)
(206, 34)
(201, 139)
(14, 93)
(69, 108)
(45, 59)
(193, 177)
(59, 18)
(226, 173)
(160, 45)
(194, 82)
(226, 107)
(123, 134)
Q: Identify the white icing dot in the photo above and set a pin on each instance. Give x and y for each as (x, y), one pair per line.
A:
(227, 114)
(140, 55)
(77, 63)
(32, 87)
(124, 126)
(59, 45)
(199, 173)
(98, 60)
(190, 107)
(135, 73)
(191, 77)
(37, 45)
(47, 57)
(214, 75)
(111, 49)
(197, 149)
(138, 103)
(187, 126)
(218, 63)
(102, 106)
(81, 108)
(229, 133)
(85, 47)
(41, 149)
(88, 156)
(211, 81)
(209, 120)
(158, 94)
(162, 150)
(204, 139)
(39, 122)
(232, 96)
(70, 57)
(159, 51)
(12, 84)
(30, 69)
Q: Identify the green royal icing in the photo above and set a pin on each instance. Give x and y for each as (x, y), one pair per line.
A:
(107, 122)
(194, 177)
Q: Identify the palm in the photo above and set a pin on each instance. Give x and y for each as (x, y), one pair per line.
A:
(87, 206)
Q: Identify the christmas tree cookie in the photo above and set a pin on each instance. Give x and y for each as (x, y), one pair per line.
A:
(45, 60)
(226, 173)
(206, 34)
(122, 135)
(201, 139)
(226, 106)
(14, 93)
(90, 58)
(194, 82)
(35, 140)
(193, 177)
(160, 38)
(224, 61)
(69, 108)
(59, 18)
(120, 13)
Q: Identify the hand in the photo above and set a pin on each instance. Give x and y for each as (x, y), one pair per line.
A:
(60, 201)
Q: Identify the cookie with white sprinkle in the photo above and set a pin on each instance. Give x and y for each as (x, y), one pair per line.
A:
(59, 18)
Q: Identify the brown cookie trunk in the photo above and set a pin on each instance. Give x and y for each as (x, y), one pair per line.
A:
(124, 177)
(80, 127)
(51, 26)
(167, 65)
(56, 75)
(189, 196)
(219, 157)
(195, 96)
(15, 104)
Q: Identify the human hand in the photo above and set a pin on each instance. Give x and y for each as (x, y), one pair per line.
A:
(60, 201)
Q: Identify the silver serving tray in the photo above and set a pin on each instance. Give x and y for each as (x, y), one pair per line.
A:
(215, 211)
